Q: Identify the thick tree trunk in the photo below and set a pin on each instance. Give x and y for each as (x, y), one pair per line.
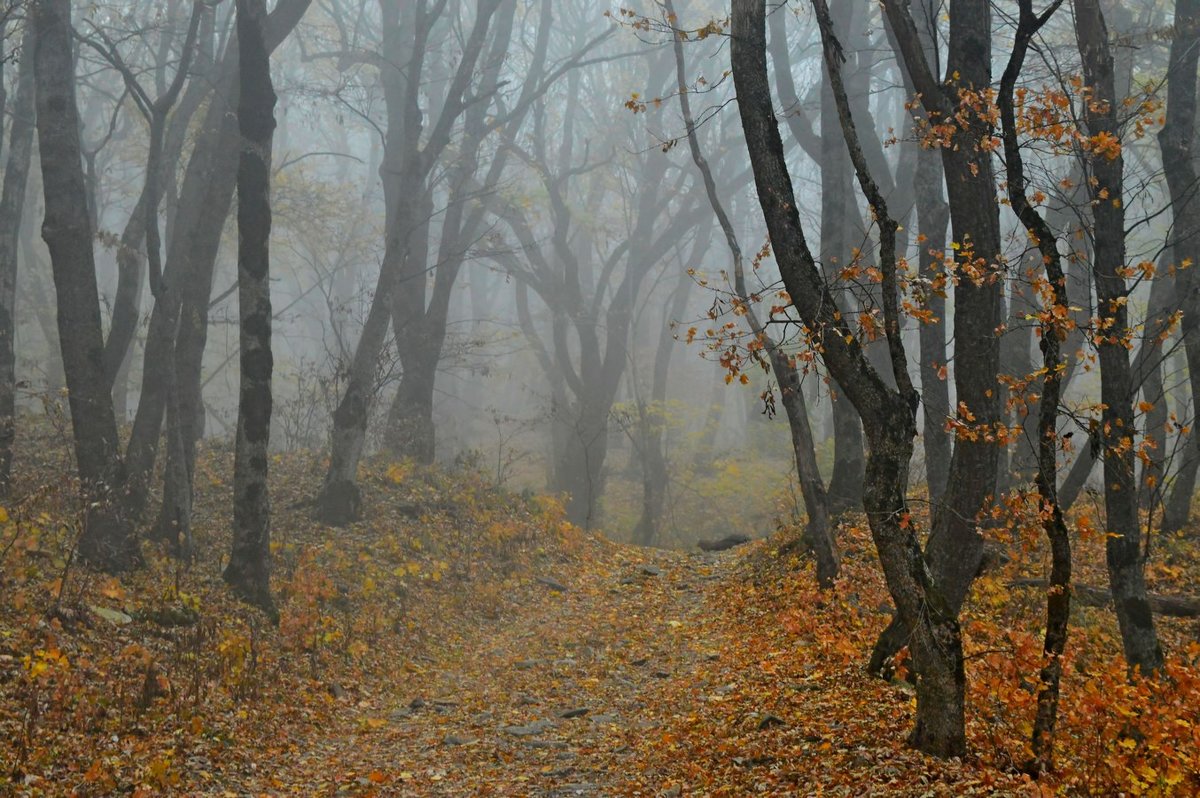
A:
(108, 540)
(409, 431)
(955, 548)
(249, 568)
(580, 473)
(12, 204)
(410, 428)
(1123, 546)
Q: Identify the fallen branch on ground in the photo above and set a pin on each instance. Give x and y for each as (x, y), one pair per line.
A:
(1089, 596)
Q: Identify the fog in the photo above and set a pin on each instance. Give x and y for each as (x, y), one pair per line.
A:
(659, 276)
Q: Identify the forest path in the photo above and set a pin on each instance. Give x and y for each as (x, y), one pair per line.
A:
(556, 701)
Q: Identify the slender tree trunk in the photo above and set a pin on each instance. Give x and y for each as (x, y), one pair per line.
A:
(818, 530)
(933, 221)
(1019, 460)
(12, 204)
(933, 215)
(249, 568)
(1055, 324)
(653, 416)
(108, 540)
(1176, 139)
(838, 212)
(1123, 546)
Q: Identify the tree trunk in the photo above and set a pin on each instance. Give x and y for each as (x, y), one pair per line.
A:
(404, 170)
(955, 548)
(933, 220)
(838, 212)
(1146, 362)
(653, 416)
(1123, 548)
(889, 415)
(108, 540)
(818, 531)
(580, 473)
(195, 234)
(249, 568)
(12, 204)
(1054, 325)
(1176, 140)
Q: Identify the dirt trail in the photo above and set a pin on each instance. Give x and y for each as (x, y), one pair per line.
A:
(552, 702)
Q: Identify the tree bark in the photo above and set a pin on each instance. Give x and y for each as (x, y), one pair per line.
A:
(12, 205)
(933, 220)
(839, 212)
(108, 540)
(249, 568)
(171, 360)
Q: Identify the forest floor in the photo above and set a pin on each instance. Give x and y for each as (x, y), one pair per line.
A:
(467, 641)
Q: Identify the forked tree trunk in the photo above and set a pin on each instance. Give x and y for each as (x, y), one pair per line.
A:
(955, 548)
(108, 540)
(204, 200)
(12, 204)
(249, 568)
(406, 165)
(889, 415)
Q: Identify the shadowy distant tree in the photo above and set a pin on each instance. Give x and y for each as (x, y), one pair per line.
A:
(410, 155)
(12, 212)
